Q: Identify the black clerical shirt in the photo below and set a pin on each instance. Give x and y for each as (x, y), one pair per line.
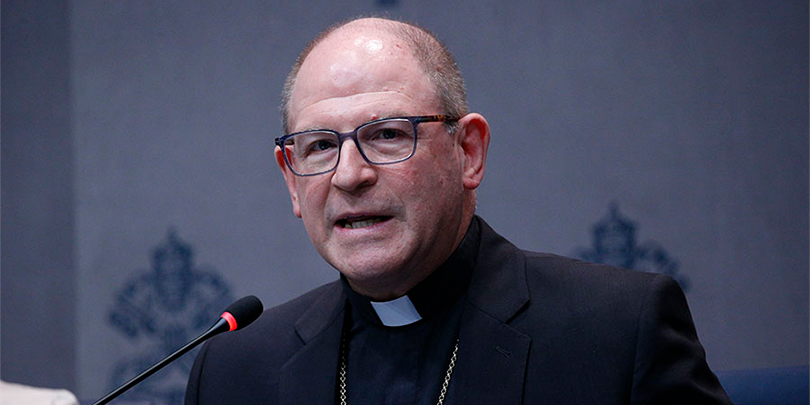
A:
(407, 364)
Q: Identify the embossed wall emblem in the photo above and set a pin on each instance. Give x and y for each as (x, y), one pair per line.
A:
(160, 310)
(614, 243)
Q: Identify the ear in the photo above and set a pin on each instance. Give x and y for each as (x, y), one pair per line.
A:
(473, 137)
(290, 179)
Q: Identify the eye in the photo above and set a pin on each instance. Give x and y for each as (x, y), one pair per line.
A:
(322, 145)
(385, 135)
(388, 134)
(315, 144)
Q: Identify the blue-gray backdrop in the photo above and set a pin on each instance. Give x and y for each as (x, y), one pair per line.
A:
(139, 191)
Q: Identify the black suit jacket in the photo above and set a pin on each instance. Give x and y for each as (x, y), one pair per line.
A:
(535, 329)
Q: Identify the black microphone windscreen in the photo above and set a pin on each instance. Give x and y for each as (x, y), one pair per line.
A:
(245, 310)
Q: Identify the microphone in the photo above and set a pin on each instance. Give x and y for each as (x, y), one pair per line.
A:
(238, 315)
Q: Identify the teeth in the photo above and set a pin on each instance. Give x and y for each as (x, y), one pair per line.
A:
(349, 224)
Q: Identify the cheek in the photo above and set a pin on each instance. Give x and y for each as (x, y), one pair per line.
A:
(444, 171)
(434, 182)
(311, 198)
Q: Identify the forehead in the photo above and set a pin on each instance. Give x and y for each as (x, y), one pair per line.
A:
(357, 73)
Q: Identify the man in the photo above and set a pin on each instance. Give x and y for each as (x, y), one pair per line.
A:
(382, 160)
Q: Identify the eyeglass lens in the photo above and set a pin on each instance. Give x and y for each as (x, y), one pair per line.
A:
(381, 142)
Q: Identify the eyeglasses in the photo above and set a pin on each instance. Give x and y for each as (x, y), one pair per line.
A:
(380, 142)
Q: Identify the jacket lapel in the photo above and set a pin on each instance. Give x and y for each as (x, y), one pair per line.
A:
(492, 356)
(492, 360)
(495, 354)
(309, 376)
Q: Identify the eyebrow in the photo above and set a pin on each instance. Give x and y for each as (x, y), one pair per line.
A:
(393, 114)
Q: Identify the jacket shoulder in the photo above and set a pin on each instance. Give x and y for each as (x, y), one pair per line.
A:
(593, 293)
(285, 315)
(253, 356)
(559, 270)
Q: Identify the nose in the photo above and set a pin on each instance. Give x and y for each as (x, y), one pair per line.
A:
(353, 172)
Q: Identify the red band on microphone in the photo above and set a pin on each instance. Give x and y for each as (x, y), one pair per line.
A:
(231, 320)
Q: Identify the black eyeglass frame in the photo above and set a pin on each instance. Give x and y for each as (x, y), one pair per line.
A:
(414, 120)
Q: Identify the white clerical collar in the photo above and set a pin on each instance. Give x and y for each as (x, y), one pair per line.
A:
(399, 312)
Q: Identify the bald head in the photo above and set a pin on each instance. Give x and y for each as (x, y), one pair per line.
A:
(432, 57)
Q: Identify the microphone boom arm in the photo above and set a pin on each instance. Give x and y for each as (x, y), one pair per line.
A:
(220, 326)
(238, 315)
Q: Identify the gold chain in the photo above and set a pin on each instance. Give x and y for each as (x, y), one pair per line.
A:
(344, 361)
(448, 375)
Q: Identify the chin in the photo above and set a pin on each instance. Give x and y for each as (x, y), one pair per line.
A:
(374, 275)
(369, 272)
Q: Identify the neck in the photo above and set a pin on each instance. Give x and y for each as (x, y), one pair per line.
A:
(396, 284)
(386, 291)
(431, 296)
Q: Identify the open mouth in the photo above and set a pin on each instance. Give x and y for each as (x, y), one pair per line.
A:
(360, 222)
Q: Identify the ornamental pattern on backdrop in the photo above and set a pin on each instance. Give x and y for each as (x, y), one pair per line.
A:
(614, 243)
(161, 309)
